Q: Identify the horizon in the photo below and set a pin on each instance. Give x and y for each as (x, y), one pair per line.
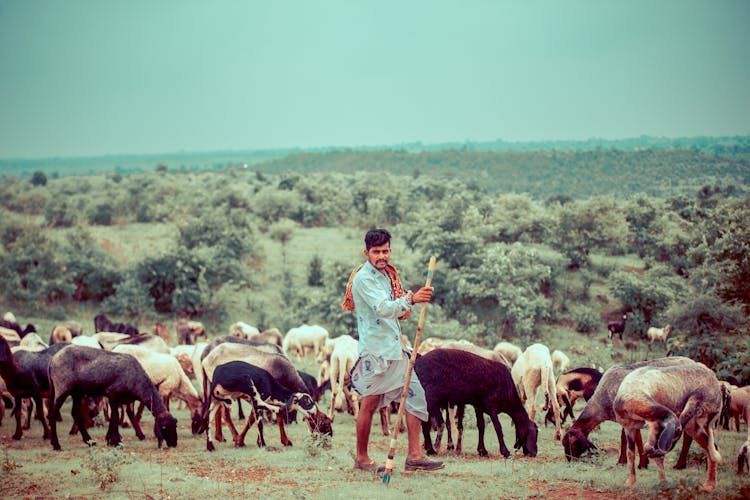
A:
(180, 76)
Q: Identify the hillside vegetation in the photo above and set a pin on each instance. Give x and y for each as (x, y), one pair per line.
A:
(538, 245)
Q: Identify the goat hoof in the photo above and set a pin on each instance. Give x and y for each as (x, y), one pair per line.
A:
(210, 447)
(483, 453)
(430, 452)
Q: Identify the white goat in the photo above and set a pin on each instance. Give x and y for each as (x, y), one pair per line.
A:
(658, 335)
(304, 339)
(510, 351)
(669, 400)
(243, 330)
(560, 361)
(343, 357)
(532, 370)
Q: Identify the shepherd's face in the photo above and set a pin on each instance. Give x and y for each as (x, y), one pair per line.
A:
(379, 256)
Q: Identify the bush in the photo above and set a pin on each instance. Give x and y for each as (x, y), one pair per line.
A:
(101, 215)
(586, 320)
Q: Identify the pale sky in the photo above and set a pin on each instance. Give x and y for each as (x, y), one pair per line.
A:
(95, 77)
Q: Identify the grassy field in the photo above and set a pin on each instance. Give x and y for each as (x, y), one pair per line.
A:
(30, 469)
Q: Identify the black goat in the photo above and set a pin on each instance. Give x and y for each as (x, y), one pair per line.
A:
(103, 324)
(452, 376)
(241, 380)
(84, 371)
(25, 375)
(617, 327)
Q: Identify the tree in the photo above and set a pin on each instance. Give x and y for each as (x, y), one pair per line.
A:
(39, 178)
(315, 273)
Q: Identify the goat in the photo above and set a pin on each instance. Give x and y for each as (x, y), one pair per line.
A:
(103, 324)
(169, 378)
(739, 397)
(510, 351)
(161, 330)
(571, 386)
(599, 409)
(277, 364)
(238, 379)
(617, 327)
(433, 343)
(243, 330)
(303, 339)
(743, 457)
(461, 377)
(189, 332)
(25, 375)
(79, 371)
(560, 361)
(658, 335)
(532, 370)
(343, 358)
(670, 400)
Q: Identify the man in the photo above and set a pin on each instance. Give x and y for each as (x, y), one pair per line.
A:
(376, 296)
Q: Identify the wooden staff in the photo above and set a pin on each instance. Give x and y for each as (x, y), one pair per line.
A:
(412, 359)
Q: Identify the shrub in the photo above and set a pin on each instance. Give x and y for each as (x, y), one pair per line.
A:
(586, 320)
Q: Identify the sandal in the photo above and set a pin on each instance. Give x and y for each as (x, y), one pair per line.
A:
(371, 467)
(422, 464)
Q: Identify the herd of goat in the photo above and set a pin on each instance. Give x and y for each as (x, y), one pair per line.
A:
(118, 366)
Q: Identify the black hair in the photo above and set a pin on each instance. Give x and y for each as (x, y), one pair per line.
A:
(376, 238)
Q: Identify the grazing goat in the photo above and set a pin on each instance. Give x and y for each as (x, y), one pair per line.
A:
(532, 370)
(739, 397)
(103, 324)
(658, 335)
(560, 361)
(79, 371)
(433, 343)
(670, 400)
(303, 339)
(189, 332)
(241, 380)
(599, 409)
(510, 351)
(452, 376)
(243, 330)
(571, 386)
(169, 378)
(344, 356)
(25, 375)
(617, 327)
(276, 364)
(743, 457)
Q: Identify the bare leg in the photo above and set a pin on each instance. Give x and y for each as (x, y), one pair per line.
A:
(367, 408)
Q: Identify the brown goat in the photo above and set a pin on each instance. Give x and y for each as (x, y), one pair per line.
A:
(670, 400)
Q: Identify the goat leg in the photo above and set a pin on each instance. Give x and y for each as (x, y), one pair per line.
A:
(135, 421)
(480, 429)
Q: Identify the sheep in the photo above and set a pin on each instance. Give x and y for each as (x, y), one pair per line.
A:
(9, 316)
(599, 409)
(238, 379)
(188, 331)
(739, 397)
(343, 358)
(12, 331)
(670, 400)
(617, 327)
(510, 351)
(743, 457)
(243, 330)
(571, 386)
(148, 341)
(60, 333)
(461, 377)
(303, 339)
(169, 378)
(79, 371)
(31, 342)
(25, 376)
(161, 330)
(560, 361)
(87, 341)
(103, 324)
(270, 336)
(108, 340)
(658, 335)
(532, 370)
